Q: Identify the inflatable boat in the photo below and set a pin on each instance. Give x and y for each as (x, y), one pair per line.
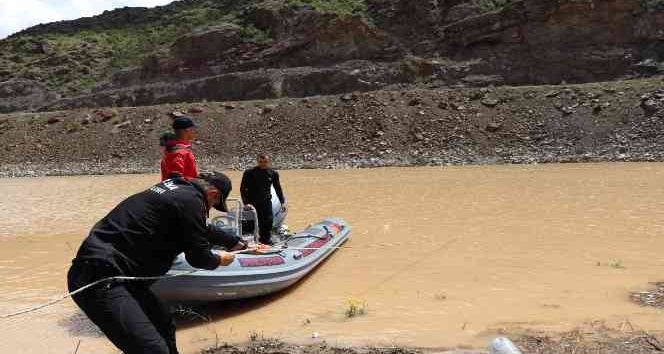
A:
(254, 274)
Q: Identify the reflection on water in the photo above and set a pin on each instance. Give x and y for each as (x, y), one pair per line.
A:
(441, 256)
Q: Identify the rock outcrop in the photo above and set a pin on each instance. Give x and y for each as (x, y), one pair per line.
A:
(549, 41)
(25, 94)
(207, 44)
(272, 49)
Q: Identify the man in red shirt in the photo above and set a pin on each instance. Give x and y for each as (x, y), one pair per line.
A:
(179, 160)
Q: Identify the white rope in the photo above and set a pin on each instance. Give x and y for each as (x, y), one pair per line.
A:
(101, 281)
(126, 278)
(84, 288)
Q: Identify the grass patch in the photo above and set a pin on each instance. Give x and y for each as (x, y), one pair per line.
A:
(87, 82)
(615, 264)
(122, 47)
(256, 336)
(355, 308)
(73, 127)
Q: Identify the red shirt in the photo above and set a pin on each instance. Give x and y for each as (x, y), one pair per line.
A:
(178, 160)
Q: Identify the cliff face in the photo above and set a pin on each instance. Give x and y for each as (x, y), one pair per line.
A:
(234, 50)
(551, 41)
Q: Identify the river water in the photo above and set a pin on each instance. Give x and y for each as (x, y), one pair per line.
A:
(440, 256)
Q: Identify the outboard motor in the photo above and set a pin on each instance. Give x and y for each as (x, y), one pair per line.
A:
(278, 216)
(238, 222)
(249, 222)
(244, 223)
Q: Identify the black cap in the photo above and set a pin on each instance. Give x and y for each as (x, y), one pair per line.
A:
(183, 123)
(223, 184)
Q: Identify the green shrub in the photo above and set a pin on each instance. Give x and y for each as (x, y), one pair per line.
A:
(652, 4)
(346, 7)
(87, 82)
(490, 5)
(250, 32)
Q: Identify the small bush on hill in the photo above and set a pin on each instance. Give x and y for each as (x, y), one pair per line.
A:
(653, 4)
(490, 5)
(347, 7)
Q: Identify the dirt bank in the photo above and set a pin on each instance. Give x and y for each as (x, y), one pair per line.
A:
(595, 338)
(616, 121)
(275, 346)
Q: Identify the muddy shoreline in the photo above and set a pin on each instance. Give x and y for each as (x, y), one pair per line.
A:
(597, 122)
(592, 339)
(129, 168)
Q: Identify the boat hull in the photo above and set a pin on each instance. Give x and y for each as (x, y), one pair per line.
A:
(253, 275)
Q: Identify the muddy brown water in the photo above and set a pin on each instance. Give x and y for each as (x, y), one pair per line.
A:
(441, 256)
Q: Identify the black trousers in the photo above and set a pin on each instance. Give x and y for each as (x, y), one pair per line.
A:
(128, 313)
(265, 220)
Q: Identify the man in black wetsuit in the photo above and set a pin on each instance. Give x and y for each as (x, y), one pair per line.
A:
(256, 190)
(141, 237)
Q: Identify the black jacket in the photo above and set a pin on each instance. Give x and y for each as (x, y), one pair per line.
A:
(144, 233)
(256, 183)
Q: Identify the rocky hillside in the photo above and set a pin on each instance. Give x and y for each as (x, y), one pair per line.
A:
(215, 50)
(616, 121)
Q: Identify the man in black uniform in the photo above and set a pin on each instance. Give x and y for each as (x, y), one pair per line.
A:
(256, 190)
(141, 237)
